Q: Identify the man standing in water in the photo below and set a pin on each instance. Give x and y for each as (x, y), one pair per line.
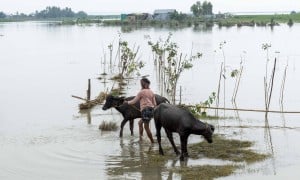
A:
(147, 104)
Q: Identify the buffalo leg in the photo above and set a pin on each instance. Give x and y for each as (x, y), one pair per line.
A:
(122, 126)
(158, 128)
(183, 142)
(170, 137)
(131, 126)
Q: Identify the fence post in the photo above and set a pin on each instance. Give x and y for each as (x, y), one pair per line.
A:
(88, 92)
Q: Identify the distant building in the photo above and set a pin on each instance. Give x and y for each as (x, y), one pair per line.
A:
(133, 17)
(223, 15)
(163, 14)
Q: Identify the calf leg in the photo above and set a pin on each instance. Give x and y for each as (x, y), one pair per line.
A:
(158, 128)
(170, 137)
(131, 126)
(122, 126)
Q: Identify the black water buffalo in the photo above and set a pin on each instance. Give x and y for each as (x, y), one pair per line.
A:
(180, 120)
(129, 112)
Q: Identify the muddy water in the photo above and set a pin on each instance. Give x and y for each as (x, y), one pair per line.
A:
(43, 136)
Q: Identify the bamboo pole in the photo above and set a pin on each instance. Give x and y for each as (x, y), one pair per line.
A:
(77, 97)
(250, 110)
(219, 87)
(271, 86)
(180, 94)
(236, 87)
(282, 87)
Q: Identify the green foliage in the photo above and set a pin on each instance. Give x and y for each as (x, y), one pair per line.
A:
(2, 15)
(56, 12)
(81, 14)
(160, 47)
(234, 73)
(178, 16)
(207, 8)
(228, 149)
(200, 109)
(290, 22)
(198, 9)
(173, 64)
(128, 59)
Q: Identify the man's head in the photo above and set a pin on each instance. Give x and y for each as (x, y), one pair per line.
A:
(145, 83)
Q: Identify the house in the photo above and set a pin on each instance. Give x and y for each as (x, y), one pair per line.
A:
(163, 14)
(133, 17)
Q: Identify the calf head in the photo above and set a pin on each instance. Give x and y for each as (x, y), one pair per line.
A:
(112, 101)
(208, 132)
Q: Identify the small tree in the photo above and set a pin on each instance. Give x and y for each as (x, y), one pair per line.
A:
(197, 9)
(207, 8)
(2, 15)
(129, 62)
(173, 65)
(290, 22)
(178, 16)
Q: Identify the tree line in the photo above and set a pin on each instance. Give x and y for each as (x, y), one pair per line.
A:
(198, 10)
(49, 12)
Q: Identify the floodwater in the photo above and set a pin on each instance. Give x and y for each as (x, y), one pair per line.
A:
(44, 136)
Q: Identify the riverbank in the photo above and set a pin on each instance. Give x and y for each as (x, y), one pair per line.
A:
(230, 20)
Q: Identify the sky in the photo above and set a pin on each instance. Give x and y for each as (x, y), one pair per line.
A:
(130, 6)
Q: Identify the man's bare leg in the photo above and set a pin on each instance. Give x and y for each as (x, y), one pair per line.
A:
(147, 129)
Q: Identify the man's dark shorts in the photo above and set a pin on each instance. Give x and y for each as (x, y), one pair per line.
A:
(147, 114)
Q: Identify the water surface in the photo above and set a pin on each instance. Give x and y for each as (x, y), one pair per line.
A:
(43, 135)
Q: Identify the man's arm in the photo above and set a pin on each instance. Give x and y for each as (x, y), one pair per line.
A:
(135, 99)
(154, 101)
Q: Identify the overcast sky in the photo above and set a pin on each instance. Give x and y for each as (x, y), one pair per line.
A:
(126, 6)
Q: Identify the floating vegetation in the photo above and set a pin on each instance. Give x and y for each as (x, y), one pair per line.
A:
(108, 126)
(117, 77)
(89, 104)
(143, 162)
(206, 172)
(117, 91)
(227, 149)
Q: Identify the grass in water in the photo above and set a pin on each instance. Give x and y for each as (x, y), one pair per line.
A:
(226, 149)
(223, 149)
(206, 172)
(108, 126)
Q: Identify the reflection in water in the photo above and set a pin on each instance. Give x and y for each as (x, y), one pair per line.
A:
(202, 28)
(88, 115)
(141, 160)
(137, 160)
(269, 143)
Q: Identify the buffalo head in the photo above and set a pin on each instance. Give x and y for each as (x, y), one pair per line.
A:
(208, 132)
(112, 101)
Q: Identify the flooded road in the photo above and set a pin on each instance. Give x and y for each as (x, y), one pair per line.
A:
(43, 135)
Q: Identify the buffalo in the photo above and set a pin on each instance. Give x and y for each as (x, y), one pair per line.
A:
(177, 119)
(129, 112)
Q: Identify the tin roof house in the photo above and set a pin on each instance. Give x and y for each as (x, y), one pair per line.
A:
(162, 14)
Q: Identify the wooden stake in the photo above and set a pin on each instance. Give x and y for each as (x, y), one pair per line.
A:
(88, 92)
